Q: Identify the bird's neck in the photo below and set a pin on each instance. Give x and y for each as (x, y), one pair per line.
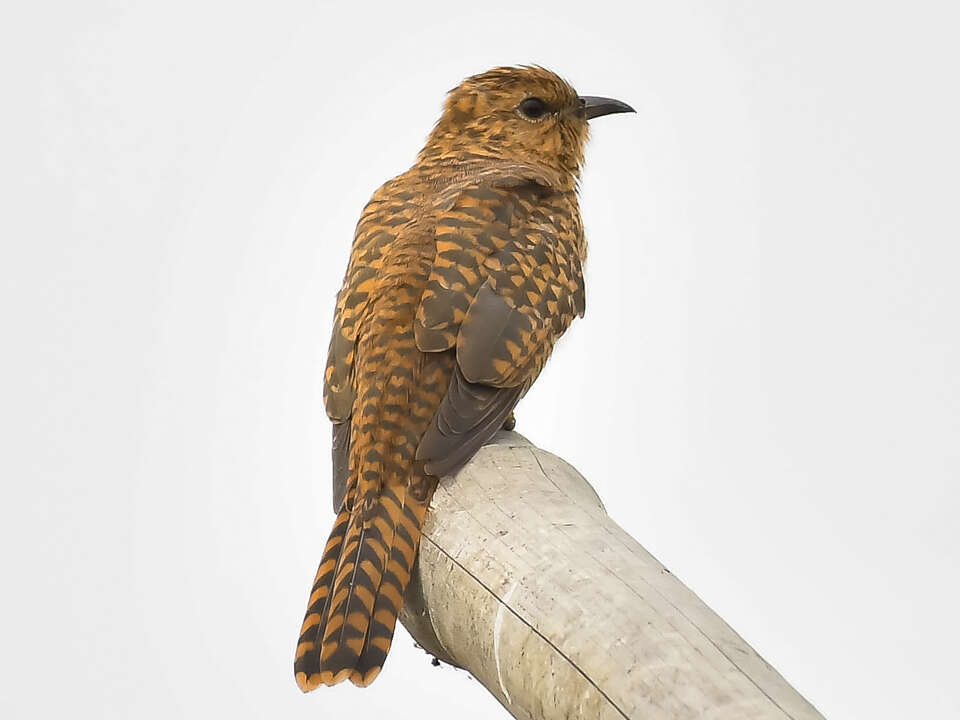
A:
(452, 153)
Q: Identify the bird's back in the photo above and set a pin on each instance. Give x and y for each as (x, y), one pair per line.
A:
(458, 285)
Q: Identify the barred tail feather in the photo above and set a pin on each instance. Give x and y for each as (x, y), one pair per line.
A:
(307, 662)
(358, 591)
(408, 515)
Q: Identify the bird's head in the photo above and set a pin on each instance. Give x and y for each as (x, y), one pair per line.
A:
(526, 114)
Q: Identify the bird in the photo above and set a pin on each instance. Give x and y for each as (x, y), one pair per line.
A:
(464, 272)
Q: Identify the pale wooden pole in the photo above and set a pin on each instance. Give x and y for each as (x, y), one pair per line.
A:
(526, 582)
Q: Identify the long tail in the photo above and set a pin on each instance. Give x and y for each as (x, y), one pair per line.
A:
(358, 591)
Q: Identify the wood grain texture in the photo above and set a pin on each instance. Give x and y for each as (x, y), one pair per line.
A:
(525, 581)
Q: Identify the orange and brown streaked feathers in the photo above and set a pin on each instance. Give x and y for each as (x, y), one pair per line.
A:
(464, 272)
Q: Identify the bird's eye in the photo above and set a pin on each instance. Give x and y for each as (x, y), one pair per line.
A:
(533, 108)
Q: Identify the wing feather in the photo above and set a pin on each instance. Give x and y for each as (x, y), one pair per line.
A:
(506, 282)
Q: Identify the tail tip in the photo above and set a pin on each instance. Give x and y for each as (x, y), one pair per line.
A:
(306, 683)
(363, 679)
(309, 683)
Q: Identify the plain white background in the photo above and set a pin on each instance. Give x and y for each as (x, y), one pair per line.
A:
(764, 390)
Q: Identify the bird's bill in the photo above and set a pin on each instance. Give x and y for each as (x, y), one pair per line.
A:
(594, 107)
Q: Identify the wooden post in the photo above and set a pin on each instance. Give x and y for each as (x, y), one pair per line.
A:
(526, 582)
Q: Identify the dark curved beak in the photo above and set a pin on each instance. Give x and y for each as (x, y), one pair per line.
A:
(594, 107)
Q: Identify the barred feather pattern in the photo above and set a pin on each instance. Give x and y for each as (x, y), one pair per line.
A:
(358, 593)
(464, 272)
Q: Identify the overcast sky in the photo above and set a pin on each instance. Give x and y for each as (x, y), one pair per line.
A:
(764, 390)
